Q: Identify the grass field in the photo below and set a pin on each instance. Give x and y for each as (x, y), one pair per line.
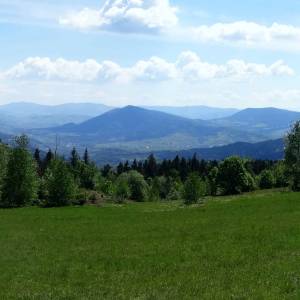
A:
(233, 248)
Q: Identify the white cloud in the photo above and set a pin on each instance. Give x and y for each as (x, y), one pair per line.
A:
(193, 68)
(125, 15)
(154, 69)
(247, 33)
(188, 67)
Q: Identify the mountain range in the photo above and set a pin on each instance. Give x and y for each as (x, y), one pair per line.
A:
(23, 115)
(26, 115)
(138, 129)
(129, 132)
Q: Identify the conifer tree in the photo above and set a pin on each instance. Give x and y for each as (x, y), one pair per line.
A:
(48, 158)
(86, 157)
(150, 167)
(75, 158)
(37, 157)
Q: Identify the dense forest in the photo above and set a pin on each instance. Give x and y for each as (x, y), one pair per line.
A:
(50, 180)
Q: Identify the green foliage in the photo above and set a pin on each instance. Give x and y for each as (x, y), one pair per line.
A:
(212, 181)
(138, 187)
(233, 178)
(88, 176)
(280, 175)
(122, 190)
(3, 165)
(292, 156)
(60, 184)
(194, 189)
(20, 184)
(267, 180)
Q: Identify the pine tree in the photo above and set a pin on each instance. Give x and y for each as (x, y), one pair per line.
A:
(134, 165)
(75, 158)
(150, 167)
(47, 160)
(21, 180)
(120, 168)
(37, 157)
(86, 157)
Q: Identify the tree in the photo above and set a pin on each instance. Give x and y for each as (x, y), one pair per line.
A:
(3, 165)
(267, 180)
(86, 157)
(292, 156)
(137, 186)
(37, 157)
(88, 175)
(122, 190)
(47, 160)
(194, 189)
(212, 180)
(233, 177)
(74, 159)
(280, 175)
(60, 184)
(21, 181)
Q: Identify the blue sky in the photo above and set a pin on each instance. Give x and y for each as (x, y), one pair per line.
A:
(151, 52)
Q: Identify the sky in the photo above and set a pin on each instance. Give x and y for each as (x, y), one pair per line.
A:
(222, 53)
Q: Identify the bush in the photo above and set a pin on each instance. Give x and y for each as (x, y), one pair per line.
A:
(233, 178)
(212, 181)
(60, 184)
(122, 190)
(280, 175)
(194, 189)
(267, 180)
(138, 187)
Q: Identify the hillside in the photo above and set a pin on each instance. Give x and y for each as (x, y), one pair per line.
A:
(273, 150)
(136, 129)
(267, 119)
(134, 123)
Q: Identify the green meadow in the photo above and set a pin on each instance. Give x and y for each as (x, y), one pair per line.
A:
(245, 247)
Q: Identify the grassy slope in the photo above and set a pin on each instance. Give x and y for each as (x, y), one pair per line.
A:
(248, 248)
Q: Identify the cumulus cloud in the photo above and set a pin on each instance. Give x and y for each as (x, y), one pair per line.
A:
(125, 15)
(188, 67)
(249, 33)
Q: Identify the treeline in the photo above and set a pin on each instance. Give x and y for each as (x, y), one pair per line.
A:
(51, 181)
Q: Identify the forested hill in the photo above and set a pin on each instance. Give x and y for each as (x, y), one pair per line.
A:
(273, 150)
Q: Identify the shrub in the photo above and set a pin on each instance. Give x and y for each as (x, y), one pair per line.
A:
(194, 189)
(280, 175)
(267, 180)
(138, 187)
(233, 178)
(122, 190)
(61, 188)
